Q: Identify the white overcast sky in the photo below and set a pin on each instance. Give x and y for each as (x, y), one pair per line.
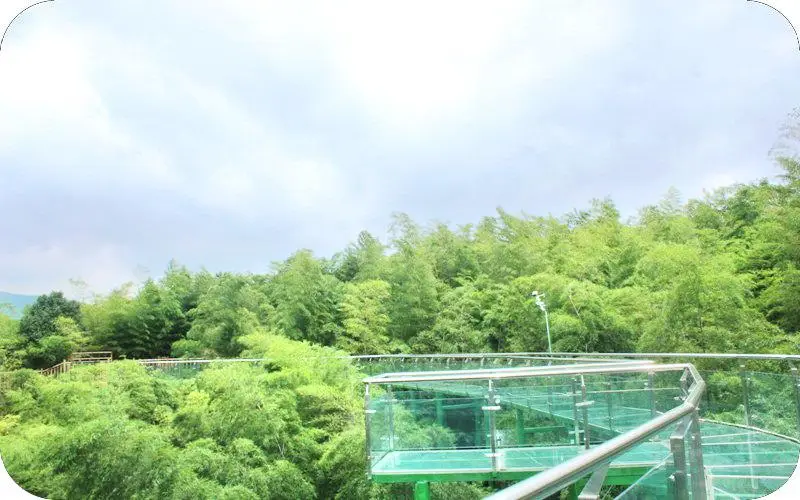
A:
(230, 134)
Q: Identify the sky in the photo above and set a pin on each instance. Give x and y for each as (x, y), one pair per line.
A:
(231, 134)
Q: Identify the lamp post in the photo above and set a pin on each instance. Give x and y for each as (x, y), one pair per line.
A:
(539, 302)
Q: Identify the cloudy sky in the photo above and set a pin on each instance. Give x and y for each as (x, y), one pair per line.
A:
(230, 134)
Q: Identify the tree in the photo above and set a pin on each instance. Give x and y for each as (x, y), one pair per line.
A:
(231, 308)
(414, 298)
(364, 309)
(451, 254)
(11, 343)
(39, 319)
(459, 326)
(305, 300)
(360, 261)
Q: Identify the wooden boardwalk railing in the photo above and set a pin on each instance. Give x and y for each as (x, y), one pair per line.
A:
(58, 369)
(91, 357)
(78, 358)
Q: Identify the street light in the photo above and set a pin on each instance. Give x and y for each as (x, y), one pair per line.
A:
(539, 302)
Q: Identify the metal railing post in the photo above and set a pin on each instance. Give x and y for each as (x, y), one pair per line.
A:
(677, 446)
(796, 383)
(576, 426)
(745, 394)
(367, 423)
(610, 406)
(684, 384)
(748, 421)
(479, 431)
(651, 393)
(585, 408)
(390, 414)
(699, 491)
(491, 408)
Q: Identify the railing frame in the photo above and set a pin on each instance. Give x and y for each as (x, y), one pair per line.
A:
(556, 478)
(559, 477)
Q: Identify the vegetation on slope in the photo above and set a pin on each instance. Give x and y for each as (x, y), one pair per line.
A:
(718, 274)
(291, 429)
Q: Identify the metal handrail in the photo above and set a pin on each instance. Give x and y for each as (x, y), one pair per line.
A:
(694, 355)
(539, 371)
(557, 478)
(161, 362)
(455, 373)
(503, 356)
(360, 357)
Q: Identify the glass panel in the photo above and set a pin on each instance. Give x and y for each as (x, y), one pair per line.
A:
(434, 427)
(744, 485)
(656, 484)
(533, 423)
(772, 402)
(378, 427)
(724, 397)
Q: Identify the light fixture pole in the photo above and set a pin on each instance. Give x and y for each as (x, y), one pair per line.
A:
(539, 302)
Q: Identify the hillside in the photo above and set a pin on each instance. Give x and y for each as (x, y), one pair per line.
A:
(17, 303)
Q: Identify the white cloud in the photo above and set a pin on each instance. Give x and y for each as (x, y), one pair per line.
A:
(418, 66)
(220, 122)
(39, 268)
(45, 86)
(53, 107)
(54, 115)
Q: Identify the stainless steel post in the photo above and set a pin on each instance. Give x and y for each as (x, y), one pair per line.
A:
(747, 418)
(367, 421)
(390, 413)
(610, 406)
(698, 469)
(585, 414)
(491, 408)
(677, 446)
(684, 384)
(796, 383)
(576, 426)
(745, 394)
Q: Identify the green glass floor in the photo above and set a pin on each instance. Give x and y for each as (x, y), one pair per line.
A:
(527, 459)
(740, 462)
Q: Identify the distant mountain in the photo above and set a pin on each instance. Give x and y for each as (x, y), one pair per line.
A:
(17, 303)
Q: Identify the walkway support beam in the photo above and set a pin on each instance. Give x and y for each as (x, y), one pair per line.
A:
(422, 490)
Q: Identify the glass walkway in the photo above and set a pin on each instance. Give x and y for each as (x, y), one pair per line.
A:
(629, 429)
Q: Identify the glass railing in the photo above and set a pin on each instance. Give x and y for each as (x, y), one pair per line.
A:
(680, 475)
(513, 421)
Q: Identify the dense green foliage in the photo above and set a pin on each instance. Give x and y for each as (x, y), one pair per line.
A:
(719, 274)
(288, 429)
